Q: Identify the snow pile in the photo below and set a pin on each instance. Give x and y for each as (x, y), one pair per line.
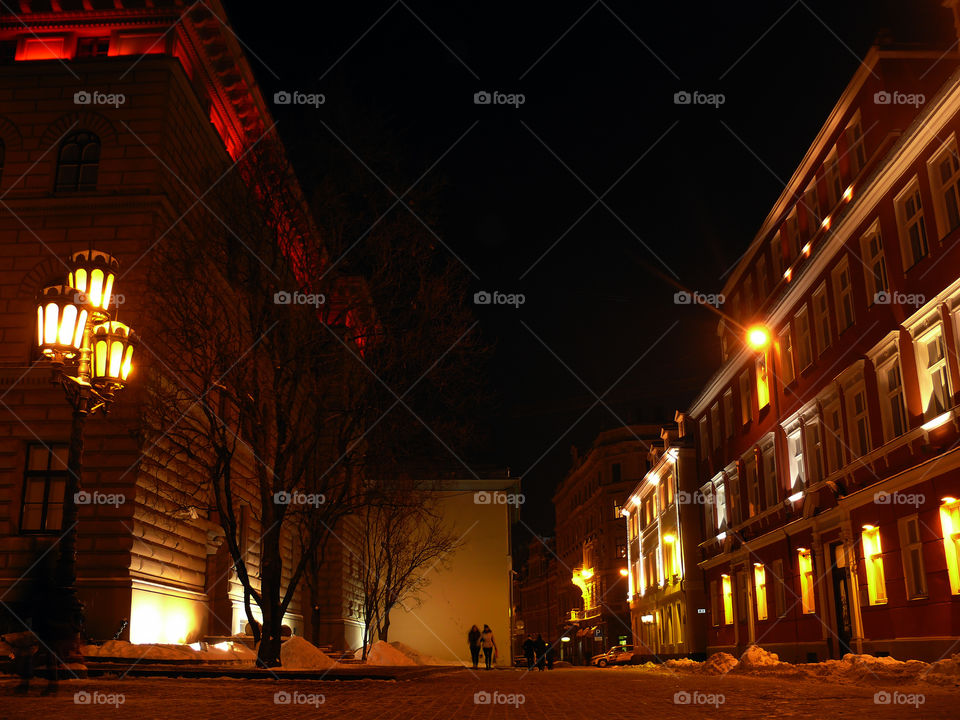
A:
(158, 652)
(719, 664)
(945, 671)
(298, 654)
(385, 654)
(865, 667)
(682, 664)
(756, 657)
(418, 657)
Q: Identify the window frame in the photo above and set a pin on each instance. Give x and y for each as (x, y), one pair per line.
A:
(48, 475)
(905, 223)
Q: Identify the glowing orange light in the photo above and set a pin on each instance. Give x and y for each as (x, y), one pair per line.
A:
(624, 572)
(806, 249)
(848, 194)
(758, 337)
(787, 274)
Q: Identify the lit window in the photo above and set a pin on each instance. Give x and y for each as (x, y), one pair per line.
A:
(746, 398)
(873, 561)
(795, 445)
(760, 588)
(804, 341)
(945, 179)
(934, 380)
(721, 495)
(843, 296)
(950, 527)
(913, 229)
(763, 382)
(753, 483)
(727, 600)
(911, 549)
(875, 264)
(787, 372)
(805, 563)
(821, 318)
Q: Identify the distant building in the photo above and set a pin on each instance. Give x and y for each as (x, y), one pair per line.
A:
(591, 540)
(829, 461)
(539, 602)
(666, 592)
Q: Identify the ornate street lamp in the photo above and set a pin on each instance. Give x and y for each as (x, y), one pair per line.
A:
(92, 358)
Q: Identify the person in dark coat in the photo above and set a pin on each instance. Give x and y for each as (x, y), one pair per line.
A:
(540, 647)
(473, 640)
(529, 651)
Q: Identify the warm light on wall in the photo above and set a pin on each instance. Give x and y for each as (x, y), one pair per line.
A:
(937, 421)
(159, 618)
(795, 497)
(805, 563)
(873, 561)
(727, 600)
(653, 478)
(760, 589)
(787, 274)
(950, 528)
(848, 194)
(806, 249)
(826, 223)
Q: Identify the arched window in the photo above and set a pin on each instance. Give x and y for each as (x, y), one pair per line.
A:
(78, 162)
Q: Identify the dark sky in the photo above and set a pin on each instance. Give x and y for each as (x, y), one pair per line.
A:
(599, 80)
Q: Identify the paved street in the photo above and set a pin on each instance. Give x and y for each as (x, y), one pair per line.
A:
(564, 693)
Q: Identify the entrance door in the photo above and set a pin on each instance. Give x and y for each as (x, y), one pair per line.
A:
(841, 598)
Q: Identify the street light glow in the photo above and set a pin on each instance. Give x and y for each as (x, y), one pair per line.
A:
(758, 337)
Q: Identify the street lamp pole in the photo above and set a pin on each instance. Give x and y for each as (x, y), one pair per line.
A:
(91, 356)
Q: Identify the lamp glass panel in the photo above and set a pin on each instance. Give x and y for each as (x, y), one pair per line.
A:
(40, 325)
(107, 290)
(127, 363)
(68, 321)
(116, 357)
(100, 358)
(81, 324)
(96, 287)
(51, 324)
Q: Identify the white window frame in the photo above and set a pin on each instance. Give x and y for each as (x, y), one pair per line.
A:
(795, 450)
(907, 222)
(927, 370)
(911, 552)
(843, 296)
(821, 319)
(771, 484)
(804, 338)
(875, 264)
(946, 191)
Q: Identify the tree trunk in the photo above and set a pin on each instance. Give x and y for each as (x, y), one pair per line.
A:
(270, 576)
(385, 627)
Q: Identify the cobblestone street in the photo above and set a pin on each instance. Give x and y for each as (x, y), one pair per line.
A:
(563, 693)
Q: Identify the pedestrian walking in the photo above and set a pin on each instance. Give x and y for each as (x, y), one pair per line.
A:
(529, 651)
(489, 645)
(473, 640)
(540, 647)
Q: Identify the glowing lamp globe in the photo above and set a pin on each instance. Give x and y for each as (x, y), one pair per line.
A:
(758, 337)
(92, 274)
(60, 323)
(112, 344)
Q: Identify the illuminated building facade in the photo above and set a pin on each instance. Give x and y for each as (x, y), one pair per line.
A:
(111, 115)
(591, 540)
(828, 461)
(665, 586)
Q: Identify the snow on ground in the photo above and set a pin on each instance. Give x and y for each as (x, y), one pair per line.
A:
(756, 661)
(159, 652)
(298, 654)
(420, 658)
(383, 653)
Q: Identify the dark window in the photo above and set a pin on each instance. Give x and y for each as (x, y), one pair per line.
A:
(93, 47)
(78, 162)
(615, 472)
(621, 549)
(43, 485)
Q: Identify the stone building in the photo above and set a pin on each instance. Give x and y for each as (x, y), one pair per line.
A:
(114, 119)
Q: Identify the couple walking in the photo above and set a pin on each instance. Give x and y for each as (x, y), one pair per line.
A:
(536, 651)
(482, 640)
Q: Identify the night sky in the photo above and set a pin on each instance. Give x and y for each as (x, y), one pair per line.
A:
(691, 185)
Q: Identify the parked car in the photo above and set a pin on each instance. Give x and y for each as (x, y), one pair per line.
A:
(617, 655)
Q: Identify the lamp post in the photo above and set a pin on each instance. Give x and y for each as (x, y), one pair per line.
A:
(91, 356)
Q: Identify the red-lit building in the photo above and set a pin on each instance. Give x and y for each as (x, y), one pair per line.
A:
(828, 460)
(114, 118)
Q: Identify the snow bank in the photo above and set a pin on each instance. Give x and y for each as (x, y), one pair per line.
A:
(298, 654)
(385, 654)
(756, 657)
(158, 652)
(418, 657)
(944, 671)
(865, 667)
(719, 664)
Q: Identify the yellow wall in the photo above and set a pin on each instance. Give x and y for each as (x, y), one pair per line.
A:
(474, 590)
